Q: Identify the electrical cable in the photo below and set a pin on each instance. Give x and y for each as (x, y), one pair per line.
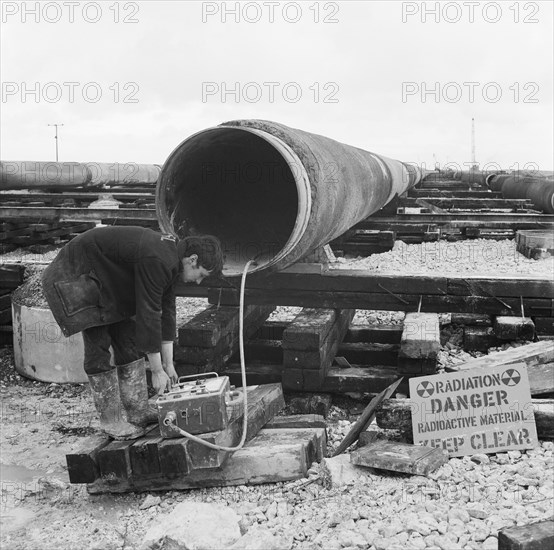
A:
(243, 375)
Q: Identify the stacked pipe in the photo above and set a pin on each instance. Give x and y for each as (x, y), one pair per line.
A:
(68, 175)
(520, 185)
(272, 193)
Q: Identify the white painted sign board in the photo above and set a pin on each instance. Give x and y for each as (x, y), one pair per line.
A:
(485, 410)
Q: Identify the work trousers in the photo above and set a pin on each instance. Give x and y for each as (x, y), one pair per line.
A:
(120, 336)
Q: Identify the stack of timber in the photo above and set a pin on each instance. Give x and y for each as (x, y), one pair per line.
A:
(281, 451)
(365, 362)
(54, 217)
(208, 340)
(442, 209)
(27, 233)
(310, 344)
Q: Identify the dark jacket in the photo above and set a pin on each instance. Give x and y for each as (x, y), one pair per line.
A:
(108, 274)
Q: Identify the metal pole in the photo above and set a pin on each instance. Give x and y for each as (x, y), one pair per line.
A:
(56, 138)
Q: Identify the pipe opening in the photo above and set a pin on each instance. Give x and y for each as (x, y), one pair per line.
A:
(236, 185)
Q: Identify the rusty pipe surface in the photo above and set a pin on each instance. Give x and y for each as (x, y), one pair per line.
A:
(68, 175)
(272, 193)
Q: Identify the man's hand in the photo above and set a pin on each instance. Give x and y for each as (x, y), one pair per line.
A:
(160, 381)
(170, 371)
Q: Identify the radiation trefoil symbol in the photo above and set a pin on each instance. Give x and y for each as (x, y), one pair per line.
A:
(510, 377)
(425, 389)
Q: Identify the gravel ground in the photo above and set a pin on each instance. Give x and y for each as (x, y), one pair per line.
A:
(462, 505)
(475, 257)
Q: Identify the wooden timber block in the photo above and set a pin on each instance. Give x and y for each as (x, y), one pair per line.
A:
(303, 379)
(417, 367)
(309, 329)
(296, 421)
(322, 357)
(472, 319)
(206, 329)
(228, 342)
(11, 275)
(114, 462)
(272, 456)
(321, 339)
(400, 457)
(479, 338)
(514, 328)
(544, 325)
(543, 410)
(144, 456)
(311, 404)
(392, 413)
(536, 353)
(421, 336)
(376, 334)
(535, 536)
(370, 380)
(82, 462)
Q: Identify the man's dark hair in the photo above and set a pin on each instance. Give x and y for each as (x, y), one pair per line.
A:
(207, 248)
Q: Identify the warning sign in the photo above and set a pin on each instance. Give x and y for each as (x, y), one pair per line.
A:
(475, 411)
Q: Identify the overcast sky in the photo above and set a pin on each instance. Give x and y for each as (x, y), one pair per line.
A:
(390, 77)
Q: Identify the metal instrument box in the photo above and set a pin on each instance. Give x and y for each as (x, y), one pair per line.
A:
(197, 406)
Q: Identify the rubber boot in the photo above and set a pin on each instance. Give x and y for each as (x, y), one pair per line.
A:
(133, 390)
(105, 391)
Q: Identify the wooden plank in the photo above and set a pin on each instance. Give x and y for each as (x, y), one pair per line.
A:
(541, 378)
(378, 334)
(536, 353)
(359, 380)
(541, 307)
(82, 462)
(365, 418)
(272, 456)
(297, 421)
(479, 286)
(400, 457)
(534, 536)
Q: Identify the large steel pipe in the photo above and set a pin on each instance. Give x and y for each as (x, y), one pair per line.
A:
(117, 173)
(271, 192)
(29, 174)
(68, 175)
(538, 189)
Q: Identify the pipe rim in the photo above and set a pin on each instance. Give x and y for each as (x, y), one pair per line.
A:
(301, 180)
